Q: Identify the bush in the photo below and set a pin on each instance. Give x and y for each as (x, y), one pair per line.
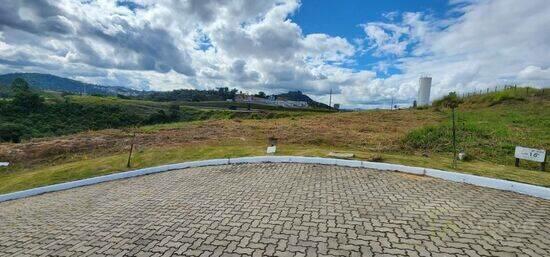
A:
(11, 132)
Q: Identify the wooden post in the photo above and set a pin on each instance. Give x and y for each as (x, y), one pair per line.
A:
(131, 149)
(517, 162)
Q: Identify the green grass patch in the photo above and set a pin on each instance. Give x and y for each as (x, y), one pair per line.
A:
(488, 134)
(14, 179)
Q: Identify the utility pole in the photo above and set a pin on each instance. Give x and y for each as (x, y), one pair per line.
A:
(330, 98)
(391, 107)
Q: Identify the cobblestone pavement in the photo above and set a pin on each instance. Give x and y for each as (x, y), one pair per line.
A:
(277, 210)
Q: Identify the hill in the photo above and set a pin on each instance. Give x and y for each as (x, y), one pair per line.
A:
(490, 125)
(50, 82)
(28, 113)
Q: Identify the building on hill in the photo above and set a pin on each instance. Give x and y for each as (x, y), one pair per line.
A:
(271, 100)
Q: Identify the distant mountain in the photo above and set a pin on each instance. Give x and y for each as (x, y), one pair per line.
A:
(50, 82)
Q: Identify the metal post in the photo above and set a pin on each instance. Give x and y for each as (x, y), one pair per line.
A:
(454, 139)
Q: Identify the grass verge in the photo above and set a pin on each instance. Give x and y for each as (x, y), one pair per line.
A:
(14, 179)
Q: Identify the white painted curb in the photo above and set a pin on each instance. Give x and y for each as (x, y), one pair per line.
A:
(537, 191)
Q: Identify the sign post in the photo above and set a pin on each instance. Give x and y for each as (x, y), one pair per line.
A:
(272, 145)
(531, 154)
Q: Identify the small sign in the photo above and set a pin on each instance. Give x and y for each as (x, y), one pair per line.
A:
(2, 164)
(530, 154)
(271, 149)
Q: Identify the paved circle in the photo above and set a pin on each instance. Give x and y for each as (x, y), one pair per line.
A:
(277, 210)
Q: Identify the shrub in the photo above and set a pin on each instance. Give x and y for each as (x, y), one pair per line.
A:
(11, 132)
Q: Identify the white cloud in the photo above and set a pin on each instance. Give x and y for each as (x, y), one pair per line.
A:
(534, 73)
(254, 45)
(491, 42)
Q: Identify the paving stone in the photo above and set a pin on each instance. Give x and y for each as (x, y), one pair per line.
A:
(276, 210)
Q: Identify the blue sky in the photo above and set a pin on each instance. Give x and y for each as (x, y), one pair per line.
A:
(366, 52)
(343, 20)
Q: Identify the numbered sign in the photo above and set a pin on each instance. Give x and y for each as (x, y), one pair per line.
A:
(530, 154)
(271, 149)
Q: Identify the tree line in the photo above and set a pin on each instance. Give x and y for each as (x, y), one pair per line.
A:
(24, 113)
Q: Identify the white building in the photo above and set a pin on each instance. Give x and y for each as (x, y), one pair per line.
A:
(270, 101)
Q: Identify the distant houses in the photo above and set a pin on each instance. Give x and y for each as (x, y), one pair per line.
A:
(271, 100)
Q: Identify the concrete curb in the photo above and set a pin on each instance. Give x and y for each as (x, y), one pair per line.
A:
(531, 190)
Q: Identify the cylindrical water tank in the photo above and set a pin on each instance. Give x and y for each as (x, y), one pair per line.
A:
(424, 91)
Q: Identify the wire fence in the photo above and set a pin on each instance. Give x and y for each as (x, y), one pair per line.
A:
(520, 91)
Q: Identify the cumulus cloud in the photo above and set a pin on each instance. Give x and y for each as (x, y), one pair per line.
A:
(202, 44)
(488, 43)
(534, 73)
(255, 45)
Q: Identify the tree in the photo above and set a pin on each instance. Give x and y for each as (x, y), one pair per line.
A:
(261, 94)
(19, 85)
(174, 112)
(11, 132)
(159, 117)
(452, 101)
(24, 99)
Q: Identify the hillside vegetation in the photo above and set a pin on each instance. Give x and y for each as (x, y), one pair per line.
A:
(48, 82)
(491, 125)
(28, 113)
(54, 83)
(488, 131)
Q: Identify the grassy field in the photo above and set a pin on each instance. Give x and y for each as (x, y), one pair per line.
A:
(488, 131)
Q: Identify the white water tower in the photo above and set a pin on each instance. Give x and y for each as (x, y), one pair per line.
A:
(424, 91)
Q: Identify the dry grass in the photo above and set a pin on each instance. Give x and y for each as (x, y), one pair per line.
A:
(369, 131)
(371, 135)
